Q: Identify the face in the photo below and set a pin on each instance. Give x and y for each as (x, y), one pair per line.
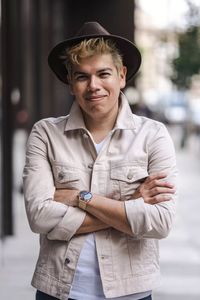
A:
(96, 85)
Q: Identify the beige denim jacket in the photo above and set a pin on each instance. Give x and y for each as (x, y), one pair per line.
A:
(61, 154)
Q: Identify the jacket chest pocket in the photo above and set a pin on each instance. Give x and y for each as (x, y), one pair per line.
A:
(126, 178)
(66, 177)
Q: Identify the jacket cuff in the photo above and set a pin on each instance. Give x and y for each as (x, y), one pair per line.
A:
(70, 223)
(137, 216)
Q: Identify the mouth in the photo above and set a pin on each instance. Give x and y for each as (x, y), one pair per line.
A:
(95, 98)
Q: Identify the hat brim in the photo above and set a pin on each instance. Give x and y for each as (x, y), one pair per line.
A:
(130, 54)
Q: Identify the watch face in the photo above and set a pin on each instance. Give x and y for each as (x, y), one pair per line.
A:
(84, 195)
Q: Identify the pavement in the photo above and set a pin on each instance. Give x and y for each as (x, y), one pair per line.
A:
(179, 253)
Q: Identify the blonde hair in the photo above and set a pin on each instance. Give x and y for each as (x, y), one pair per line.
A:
(89, 48)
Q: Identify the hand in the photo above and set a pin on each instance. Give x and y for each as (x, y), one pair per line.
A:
(67, 196)
(153, 190)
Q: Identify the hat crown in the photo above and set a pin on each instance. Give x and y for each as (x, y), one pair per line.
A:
(91, 28)
(130, 53)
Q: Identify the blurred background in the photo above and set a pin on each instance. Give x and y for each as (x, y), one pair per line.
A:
(167, 88)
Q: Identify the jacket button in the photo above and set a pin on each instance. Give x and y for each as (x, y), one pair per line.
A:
(85, 135)
(60, 175)
(90, 166)
(130, 176)
(67, 261)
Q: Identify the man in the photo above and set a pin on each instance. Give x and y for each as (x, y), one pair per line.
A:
(99, 183)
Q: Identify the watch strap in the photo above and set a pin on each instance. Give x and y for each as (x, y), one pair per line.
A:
(82, 204)
(84, 197)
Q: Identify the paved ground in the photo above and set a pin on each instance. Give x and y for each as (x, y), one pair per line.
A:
(180, 252)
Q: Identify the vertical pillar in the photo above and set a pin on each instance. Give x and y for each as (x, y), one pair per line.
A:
(8, 16)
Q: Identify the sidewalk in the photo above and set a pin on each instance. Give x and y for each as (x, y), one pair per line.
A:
(18, 256)
(18, 253)
(180, 252)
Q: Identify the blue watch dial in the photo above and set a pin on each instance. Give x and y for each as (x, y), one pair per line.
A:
(85, 195)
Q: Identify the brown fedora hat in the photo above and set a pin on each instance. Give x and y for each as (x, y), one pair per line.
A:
(130, 53)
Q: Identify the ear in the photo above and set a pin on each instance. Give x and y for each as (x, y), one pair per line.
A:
(71, 89)
(70, 85)
(122, 75)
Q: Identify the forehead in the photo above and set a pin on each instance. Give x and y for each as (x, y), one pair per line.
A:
(95, 62)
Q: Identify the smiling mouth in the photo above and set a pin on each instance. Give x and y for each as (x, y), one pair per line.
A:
(95, 98)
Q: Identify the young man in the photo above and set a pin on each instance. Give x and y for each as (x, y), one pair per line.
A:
(99, 183)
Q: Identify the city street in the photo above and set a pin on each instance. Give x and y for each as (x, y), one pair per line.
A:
(179, 253)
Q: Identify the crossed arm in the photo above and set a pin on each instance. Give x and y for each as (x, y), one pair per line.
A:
(103, 212)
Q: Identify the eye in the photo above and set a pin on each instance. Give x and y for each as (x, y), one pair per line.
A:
(81, 77)
(105, 74)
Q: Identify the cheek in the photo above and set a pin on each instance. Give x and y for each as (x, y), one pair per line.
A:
(77, 91)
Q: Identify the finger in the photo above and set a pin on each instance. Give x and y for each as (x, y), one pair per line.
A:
(158, 183)
(161, 190)
(158, 199)
(156, 176)
(161, 198)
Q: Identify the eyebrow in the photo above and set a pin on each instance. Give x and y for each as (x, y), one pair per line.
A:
(104, 69)
(98, 71)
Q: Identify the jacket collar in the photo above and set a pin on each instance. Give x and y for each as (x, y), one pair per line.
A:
(125, 119)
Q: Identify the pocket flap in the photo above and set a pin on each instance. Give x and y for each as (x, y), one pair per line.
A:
(128, 173)
(65, 174)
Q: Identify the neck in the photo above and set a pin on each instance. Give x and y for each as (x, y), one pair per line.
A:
(100, 127)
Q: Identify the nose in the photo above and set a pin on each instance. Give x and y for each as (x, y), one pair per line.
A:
(93, 83)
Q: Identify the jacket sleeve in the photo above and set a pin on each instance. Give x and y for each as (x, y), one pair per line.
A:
(155, 221)
(45, 216)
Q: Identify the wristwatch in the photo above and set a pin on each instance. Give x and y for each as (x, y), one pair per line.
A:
(84, 197)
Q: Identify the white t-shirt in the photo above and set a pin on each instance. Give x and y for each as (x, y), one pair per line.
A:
(87, 283)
